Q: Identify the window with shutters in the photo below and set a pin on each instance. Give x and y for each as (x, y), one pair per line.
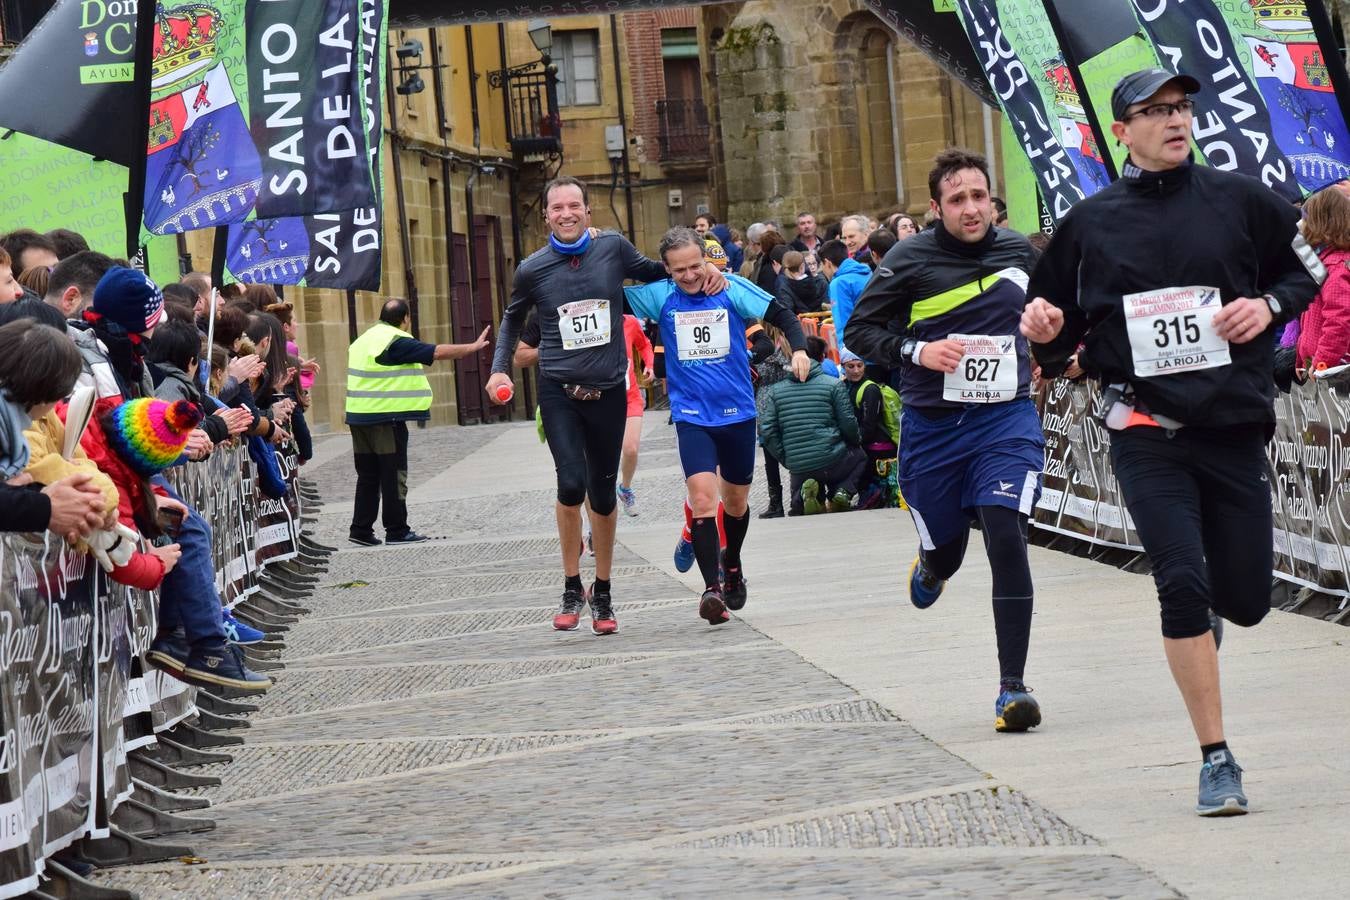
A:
(577, 55)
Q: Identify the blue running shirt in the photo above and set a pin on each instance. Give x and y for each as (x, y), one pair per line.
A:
(707, 363)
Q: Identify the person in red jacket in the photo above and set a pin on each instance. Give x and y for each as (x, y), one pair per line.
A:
(1324, 329)
(132, 441)
(641, 363)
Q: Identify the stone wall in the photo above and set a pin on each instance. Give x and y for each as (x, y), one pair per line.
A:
(818, 106)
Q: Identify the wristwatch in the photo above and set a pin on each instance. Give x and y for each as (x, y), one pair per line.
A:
(907, 348)
(1276, 309)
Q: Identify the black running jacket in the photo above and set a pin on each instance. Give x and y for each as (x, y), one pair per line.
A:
(1194, 225)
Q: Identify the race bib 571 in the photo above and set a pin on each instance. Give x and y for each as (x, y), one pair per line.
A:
(584, 323)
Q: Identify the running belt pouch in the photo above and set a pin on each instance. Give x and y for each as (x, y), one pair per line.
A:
(581, 392)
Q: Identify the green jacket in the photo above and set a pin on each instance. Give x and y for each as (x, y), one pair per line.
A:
(807, 425)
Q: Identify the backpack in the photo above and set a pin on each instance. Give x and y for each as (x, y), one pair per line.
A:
(890, 408)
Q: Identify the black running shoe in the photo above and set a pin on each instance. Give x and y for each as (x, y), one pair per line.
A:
(407, 537)
(733, 586)
(568, 616)
(602, 613)
(713, 608)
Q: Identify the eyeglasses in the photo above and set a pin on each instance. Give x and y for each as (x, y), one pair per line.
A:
(1159, 112)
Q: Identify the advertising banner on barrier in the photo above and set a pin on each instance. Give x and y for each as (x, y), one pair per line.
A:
(278, 517)
(19, 641)
(113, 658)
(1309, 458)
(1080, 497)
(75, 695)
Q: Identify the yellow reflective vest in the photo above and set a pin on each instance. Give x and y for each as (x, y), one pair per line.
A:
(378, 394)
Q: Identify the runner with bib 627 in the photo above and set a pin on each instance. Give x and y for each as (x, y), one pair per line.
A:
(971, 446)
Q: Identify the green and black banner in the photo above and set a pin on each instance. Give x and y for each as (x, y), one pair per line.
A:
(331, 250)
(255, 112)
(1017, 49)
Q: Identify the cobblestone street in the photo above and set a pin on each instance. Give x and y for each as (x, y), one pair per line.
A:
(431, 735)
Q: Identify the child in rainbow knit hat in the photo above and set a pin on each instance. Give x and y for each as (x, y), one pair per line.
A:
(132, 441)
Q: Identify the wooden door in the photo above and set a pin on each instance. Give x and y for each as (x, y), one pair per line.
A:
(470, 373)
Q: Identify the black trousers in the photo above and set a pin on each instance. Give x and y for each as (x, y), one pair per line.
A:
(773, 475)
(381, 456)
(586, 440)
(1200, 500)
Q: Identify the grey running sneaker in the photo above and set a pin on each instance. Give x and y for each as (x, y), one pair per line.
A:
(1216, 628)
(1221, 786)
(568, 616)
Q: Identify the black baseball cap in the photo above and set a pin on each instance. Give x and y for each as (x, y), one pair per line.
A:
(1143, 84)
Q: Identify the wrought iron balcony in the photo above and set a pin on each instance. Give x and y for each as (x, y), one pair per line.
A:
(535, 126)
(683, 132)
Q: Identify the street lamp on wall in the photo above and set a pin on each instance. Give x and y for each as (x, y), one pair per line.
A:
(409, 56)
(541, 35)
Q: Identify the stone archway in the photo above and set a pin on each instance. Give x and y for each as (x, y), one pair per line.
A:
(878, 127)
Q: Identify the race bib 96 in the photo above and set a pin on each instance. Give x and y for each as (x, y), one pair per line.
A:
(702, 334)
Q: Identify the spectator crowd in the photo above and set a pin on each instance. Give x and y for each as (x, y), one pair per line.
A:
(143, 379)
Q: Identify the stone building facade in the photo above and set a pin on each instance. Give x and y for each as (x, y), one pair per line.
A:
(753, 110)
(819, 106)
(649, 96)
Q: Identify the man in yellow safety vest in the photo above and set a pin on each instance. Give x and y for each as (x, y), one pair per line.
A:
(387, 387)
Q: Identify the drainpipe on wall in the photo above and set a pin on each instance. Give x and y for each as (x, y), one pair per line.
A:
(513, 188)
(473, 176)
(409, 276)
(623, 124)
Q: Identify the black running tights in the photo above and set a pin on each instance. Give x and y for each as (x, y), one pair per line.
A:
(586, 440)
(1005, 542)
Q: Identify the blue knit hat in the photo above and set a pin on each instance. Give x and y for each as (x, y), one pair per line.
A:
(130, 299)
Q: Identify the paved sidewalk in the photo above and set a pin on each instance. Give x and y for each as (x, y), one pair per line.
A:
(432, 736)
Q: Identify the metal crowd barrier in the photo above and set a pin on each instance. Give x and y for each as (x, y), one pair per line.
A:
(1081, 509)
(92, 739)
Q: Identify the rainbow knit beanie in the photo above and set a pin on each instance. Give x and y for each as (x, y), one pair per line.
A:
(149, 435)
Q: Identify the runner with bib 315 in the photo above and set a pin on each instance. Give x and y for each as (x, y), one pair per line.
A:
(1171, 279)
(970, 439)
